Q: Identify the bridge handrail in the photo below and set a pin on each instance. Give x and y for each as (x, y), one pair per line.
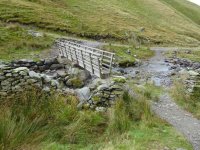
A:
(94, 60)
(90, 47)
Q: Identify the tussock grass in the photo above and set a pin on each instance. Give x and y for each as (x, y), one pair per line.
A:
(36, 120)
(190, 102)
(33, 117)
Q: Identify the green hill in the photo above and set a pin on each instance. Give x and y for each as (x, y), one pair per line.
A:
(165, 21)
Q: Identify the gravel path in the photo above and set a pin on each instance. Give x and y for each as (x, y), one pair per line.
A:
(183, 121)
(167, 109)
(157, 70)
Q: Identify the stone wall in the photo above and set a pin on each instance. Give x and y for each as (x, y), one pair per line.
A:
(46, 74)
(56, 74)
(189, 69)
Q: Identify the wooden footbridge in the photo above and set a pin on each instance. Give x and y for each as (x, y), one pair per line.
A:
(96, 61)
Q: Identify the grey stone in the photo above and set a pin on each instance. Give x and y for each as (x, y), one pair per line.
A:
(196, 65)
(9, 75)
(43, 68)
(46, 78)
(73, 71)
(80, 105)
(30, 81)
(54, 83)
(40, 63)
(56, 66)
(23, 73)
(15, 82)
(3, 94)
(33, 74)
(103, 87)
(38, 84)
(26, 77)
(83, 94)
(67, 78)
(193, 73)
(2, 77)
(3, 66)
(16, 88)
(21, 69)
(61, 73)
(46, 89)
(84, 75)
(22, 80)
(6, 87)
(49, 62)
(100, 109)
(15, 74)
(5, 83)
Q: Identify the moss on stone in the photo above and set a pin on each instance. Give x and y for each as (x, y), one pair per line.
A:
(96, 98)
(127, 63)
(76, 82)
(119, 80)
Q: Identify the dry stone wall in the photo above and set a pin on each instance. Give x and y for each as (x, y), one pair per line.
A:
(55, 74)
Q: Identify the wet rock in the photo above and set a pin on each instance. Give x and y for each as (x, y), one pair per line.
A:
(121, 70)
(137, 72)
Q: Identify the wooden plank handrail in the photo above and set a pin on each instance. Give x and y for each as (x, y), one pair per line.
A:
(96, 61)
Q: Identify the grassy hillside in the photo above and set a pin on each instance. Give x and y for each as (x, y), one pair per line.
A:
(16, 43)
(165, 21)
(186, 8)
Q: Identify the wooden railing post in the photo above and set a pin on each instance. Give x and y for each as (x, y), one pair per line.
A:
(111, 60)
(92, 69)
(82, 59)
(99, 67)
(76, 55)
(70, 51)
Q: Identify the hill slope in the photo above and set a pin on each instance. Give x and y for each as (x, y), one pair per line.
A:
(165, 21)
